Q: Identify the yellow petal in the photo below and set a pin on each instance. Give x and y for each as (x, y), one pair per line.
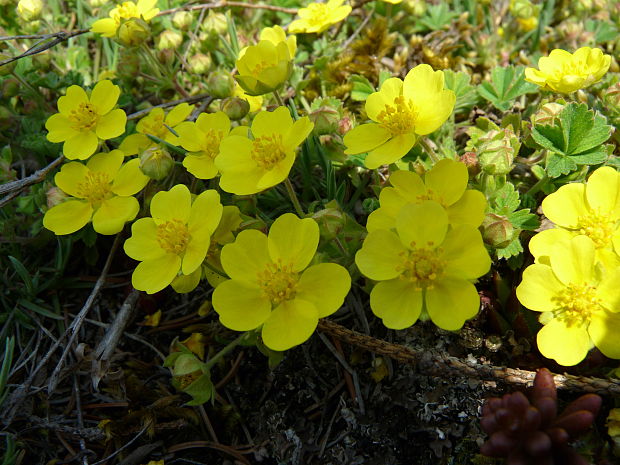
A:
(452, 301)
(603, 191)
(112, 124)
(607, 290)
(430, 116)
(377, 101)
(70, 176)
(134, 144)
(325, 285)
(567, 345)
(247, 256)
(71, 100)
(173, 204)
(565, 206)
(200, 166)
(397, 302)
(365, 138)
(380, 219)
(106, 27)
(277, 174)
(448, 181)
(293, 241)
(465, 253)
(106, 162)
(573, 261)
(381, 255)
(539, 288)
(543, 242)
(422, 225)
(603, 330)
(130, 179)
(191, 137)
(59, 128)
(267, 123)
(469, 209)
(408, 184)
(240, 305)
(205, 215)
(178, 114)
(290, 323)
(218, 121)
(81, 146)
(153, 275)
(182, 284)
(113, 213)
(104, 96)
(300, 130)
(67, 217)
(143, 245)
(389, 152)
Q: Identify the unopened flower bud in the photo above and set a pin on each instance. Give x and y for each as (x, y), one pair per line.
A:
(166, 56)
(220, 84)
(548, 114)
(182, 20)
(326, 120)
(9, 67)
(496, 150)
(215, 23)
(133, 32)
(156, 163)
(42, 61)
(55, 196)
(235, 107)
(611, 97)
(29, 10)
(470, 159)
(169, 40)
(497, 230)
(199, 63)
(344, 125)
(331, 222)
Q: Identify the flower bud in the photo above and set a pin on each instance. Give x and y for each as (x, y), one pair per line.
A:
(29, 10)
(611, 97)
(166, 56)
(415, 7)
(133, 32)
(42, 61)
(344, 125)
(470, 159)
(235, 107)
(156, 162)
(497, 230)
(199, 63)
(182, 20)
(220, 84)
(331, 222)
(326, 120)
(169, 40)
(9, 67)
(55, 196)
(496, 150)
(548, 114)
(215, 23)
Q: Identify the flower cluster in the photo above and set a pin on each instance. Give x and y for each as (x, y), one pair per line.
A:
(108, 27)
(575, 278)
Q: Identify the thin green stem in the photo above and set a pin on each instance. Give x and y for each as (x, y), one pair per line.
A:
(230, 346)
(539, 185)
(293, 197)
(427, 148)
(278, 98)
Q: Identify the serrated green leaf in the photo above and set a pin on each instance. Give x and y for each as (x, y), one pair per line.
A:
(511, 250)
(505, 200)
(524, 219)
(596, 156)
(558, 164)
(459, 83)
(362, 87)
(581, 130)
(507, 83)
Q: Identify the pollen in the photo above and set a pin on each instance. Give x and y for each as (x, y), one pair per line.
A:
(173, 236)
(268, 151)
(154, 125)
(576, 303)
(422, 266)
(211, 146)
(84, 117)
(278, 282)
(96, 187)
(398, 118)
(597, 226)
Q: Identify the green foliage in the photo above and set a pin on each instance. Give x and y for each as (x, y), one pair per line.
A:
(577, 139)
(459, 83)
(436, 17)
(507, 84)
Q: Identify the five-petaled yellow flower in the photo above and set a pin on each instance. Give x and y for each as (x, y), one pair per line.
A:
(156, 123)
(272, 285)
(249, 165)
(101, 191)
(202, 140)
(264, 67)
(82, 120)
(580, 304)
(402, 111)
(425, 268)
(564, 72)
(445, 183)
(144, 9)
(176, 238)
(591, 209)
(317, 17)
(275, 35)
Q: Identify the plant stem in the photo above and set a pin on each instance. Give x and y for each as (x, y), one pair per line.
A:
(293, 197)
(230, 346)
(427, 148)
(539, 185)
(278, 98)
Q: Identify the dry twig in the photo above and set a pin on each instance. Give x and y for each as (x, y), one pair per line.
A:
(15, 187)
(224, 4)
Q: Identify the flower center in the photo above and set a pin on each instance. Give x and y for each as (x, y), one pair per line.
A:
(421, 266)
(576, 303)
(278, 282)
(96, 187)
(84, 117)
(398, 118)
(211, 146)
(268, 151)
(317, 14)
(173, 236)
(597, 226)
(154, 125)
(430, 194)
(125, 10)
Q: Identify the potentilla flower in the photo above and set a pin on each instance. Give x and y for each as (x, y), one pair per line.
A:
(202, 140)
(175, 240)
(564, 72)
(100, 191)
(156, 123)
(276, 35)
(318, 17)
(83, 120)
(250, 165)
(424, 268)
(578, 301)
(445, 183)
(144, 9)
(264, 67)
(402, 111)
(591, 209)
(272, 285)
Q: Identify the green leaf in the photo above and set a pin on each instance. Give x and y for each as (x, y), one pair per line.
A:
(523, 219)
(23, 274)
(437, 17)
(558, 164)
(459, 83)
(362, 87)
(511, 250)
(201, 390)
(506, 85)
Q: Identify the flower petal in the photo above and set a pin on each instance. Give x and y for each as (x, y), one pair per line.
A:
(603, 330)
(130, 179)
(70, 176)
(241, 306)
(397, 302)
(565, 206)
(178, 114)
(113, 213)
(204, 217)
(325, 285)
(364, 138)
(422, 225)
(300, 130)
(182, 284)
(67, 217)
(469, 209)
(603, 190)
(104, 96)
(408, 185)
(465, 253)
(381, 255)
(153, 275)
(607, 291)
(247, 256)
(543, 242)
(143, 245)
(567, 345)
(74, 96)
(267, 123)
(112, 124)
(293, 241)
(447, 180)
(389, 152)
(452, 301)
(377, 101)
(290, 323)
(106, 162)
(538, 288)
(174, 204)
(81, 146)
(200, 166)
(573, 261)
(59, 128)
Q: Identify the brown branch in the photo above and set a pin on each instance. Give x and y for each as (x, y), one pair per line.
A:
(21, 184)
(433, 363)
(224, 4)
(57, 37)
(191, 99)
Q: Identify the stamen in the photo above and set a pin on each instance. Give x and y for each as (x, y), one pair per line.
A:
(398, 118)
(278, 282)
(95, 187)
(173, 236)
(84, 117)
(597, 226)
(268, 151)
(576, 303)
(422, 266)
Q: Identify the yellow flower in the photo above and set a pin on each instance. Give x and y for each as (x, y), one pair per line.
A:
(264, 67)
(202, 139)
(82, 121)
(564, 72)
(272, 285)
(424, 266)
(135, 144)
(576, 300)
(276, 35)
(591, 209)
(156, 123)
(230, 223)
(175, 239)
(256, 102)
(101, 191)
(249, 165)
(403, 110)
(317, 17)
(29, 10)
(445, 183)
(144, 9)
